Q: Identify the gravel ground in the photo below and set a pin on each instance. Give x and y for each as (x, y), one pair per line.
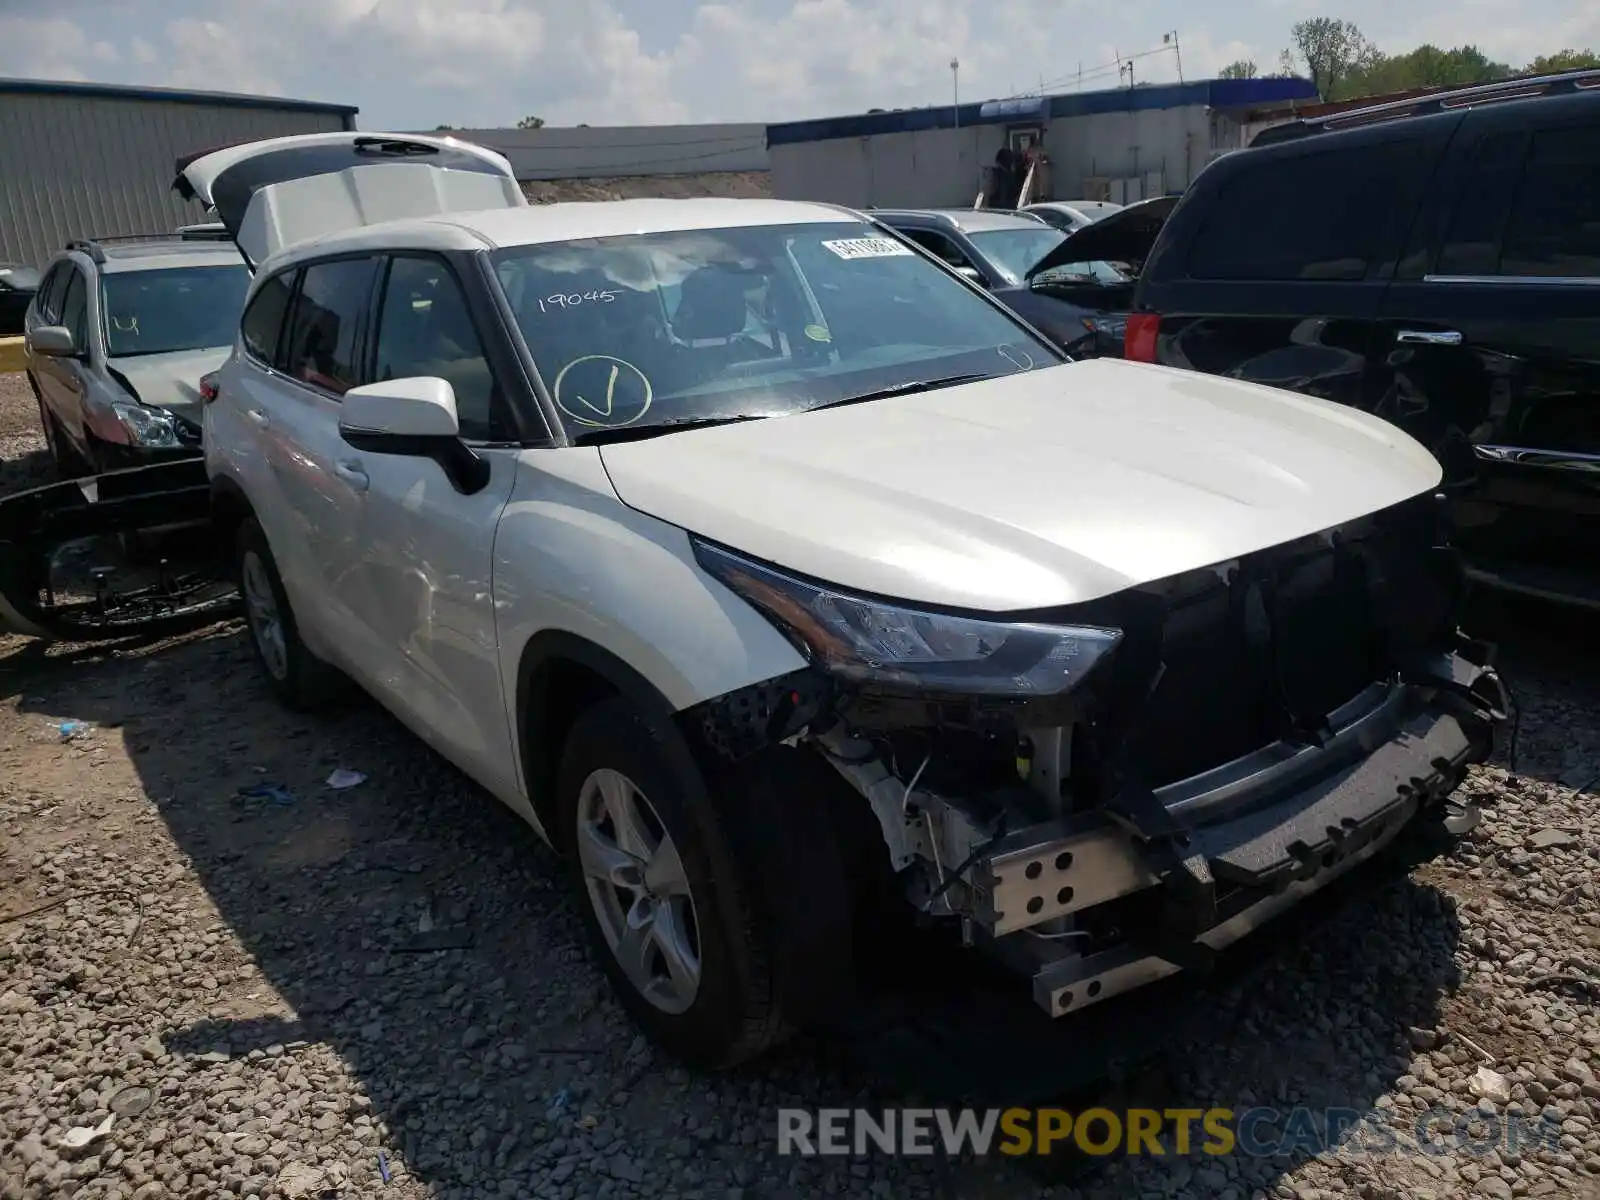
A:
(380, 990)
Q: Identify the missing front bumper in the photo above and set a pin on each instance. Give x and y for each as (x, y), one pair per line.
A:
(1257, 836)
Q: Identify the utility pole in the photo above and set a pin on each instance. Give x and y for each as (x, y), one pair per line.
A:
(1172, 38)
(955, 89)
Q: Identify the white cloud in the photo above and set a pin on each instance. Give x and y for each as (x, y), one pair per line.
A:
(412, 63)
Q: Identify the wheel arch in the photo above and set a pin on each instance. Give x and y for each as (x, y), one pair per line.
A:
(559, 675)
(230, 507)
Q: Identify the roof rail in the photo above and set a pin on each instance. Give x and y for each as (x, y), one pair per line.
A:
(94, 247)
(1500, 91)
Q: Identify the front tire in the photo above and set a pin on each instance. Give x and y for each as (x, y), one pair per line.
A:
(668, 895)
(298, 678)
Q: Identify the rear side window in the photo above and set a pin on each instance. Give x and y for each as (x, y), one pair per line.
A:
(261, 327)
(1317, 215)
(1555, 224)
(325, 331)
(1472, 246)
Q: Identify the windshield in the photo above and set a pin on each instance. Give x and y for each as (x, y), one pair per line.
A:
(171, 309)
(651, 330)
(23, 279)
(1084, 272)
(1014, 251)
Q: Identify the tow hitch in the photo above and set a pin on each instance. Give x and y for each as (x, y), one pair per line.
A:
(110, 556)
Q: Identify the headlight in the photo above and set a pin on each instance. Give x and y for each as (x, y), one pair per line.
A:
(871, 641)
(146, 426)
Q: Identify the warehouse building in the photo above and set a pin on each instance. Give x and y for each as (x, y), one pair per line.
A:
(1122, 145)
(82, 159)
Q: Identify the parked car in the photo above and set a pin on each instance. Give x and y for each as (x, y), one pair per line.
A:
(17, 286)
(118, 336)
(1069, 216)
(767, 570)
(1436, 262)
(1073, 295)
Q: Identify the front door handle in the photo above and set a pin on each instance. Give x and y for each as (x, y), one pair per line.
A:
(1428, 337)
(352, 474)
(258, 418)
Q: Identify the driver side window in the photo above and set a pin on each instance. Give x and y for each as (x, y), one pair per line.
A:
(426, 328)
(75, 310)
(939, 246)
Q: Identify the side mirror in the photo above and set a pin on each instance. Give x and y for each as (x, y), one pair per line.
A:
(413, 418)
(973, 274)
(53, 341)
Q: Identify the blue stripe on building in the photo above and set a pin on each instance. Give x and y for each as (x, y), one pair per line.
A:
(1210, 93)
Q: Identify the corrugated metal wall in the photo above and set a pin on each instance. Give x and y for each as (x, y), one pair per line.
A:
(77, 166)
(585, 152)
(926, 169)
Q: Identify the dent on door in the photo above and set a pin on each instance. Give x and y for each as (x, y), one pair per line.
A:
(117, 555)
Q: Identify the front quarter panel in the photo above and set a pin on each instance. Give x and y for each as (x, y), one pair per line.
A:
(570, 557)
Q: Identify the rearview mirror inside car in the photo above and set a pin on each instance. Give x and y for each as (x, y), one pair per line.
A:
(414, 418)
(53, 341)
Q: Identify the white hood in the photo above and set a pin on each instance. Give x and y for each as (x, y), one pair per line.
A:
(1035, 490)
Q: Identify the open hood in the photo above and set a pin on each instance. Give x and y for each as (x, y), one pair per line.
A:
(1125, 236)
(275, 193)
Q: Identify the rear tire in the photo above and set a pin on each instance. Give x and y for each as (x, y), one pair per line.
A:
(718, 974)
(298, 678)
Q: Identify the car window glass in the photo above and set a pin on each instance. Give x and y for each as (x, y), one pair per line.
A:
(75, 310)
(655, 328)
(50, 291)
(1316, 215)
(425, 328)
(165, 310)
(325, 328)
(1555, 224)
(1015, 251)
(1472, 246)
(262, 323)
(938, 245)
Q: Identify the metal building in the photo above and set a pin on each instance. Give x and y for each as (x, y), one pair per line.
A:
(585, 152)
(1122, 145)
(86, 159)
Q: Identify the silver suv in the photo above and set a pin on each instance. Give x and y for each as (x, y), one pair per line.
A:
(118, 337)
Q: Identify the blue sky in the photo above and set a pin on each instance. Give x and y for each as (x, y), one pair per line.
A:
(418, 63)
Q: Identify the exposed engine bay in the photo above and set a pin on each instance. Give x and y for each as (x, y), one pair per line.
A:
(1261, 726)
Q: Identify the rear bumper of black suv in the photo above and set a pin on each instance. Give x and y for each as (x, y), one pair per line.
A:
(1244, 842)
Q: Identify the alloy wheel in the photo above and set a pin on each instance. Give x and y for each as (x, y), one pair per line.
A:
(261, 612)
(636, 883)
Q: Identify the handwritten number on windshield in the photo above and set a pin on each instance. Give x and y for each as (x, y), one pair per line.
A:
(573, 299)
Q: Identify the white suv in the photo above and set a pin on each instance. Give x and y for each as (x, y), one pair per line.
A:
(766, 568)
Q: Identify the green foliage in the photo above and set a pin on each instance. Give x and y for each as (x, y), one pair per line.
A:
(531, 123)
(1337, 57)
(1244, 68)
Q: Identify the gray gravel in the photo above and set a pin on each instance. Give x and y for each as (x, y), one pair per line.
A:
(294, 998)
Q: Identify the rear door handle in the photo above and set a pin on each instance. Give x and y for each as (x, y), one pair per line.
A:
(1428, 337)
(352, 474)
(257, 417)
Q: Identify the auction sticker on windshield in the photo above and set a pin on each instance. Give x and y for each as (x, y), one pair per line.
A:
(867, 248)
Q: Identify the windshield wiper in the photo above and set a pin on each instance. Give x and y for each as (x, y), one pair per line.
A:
(903, 389)
(633, 433)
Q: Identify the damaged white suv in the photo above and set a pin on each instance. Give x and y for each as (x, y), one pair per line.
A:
(758, 560)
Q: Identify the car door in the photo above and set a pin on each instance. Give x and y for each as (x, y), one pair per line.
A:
(422, 578)
(63, 382)
(1277, 274)
(1491, 332)
(313, 506)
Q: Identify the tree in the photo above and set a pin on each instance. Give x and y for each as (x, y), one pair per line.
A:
(442, 128)
(1244, 68)
(531, 123)
(1563, 60)
(1333, 51)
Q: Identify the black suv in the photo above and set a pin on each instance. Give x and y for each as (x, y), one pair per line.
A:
(1434, 261)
